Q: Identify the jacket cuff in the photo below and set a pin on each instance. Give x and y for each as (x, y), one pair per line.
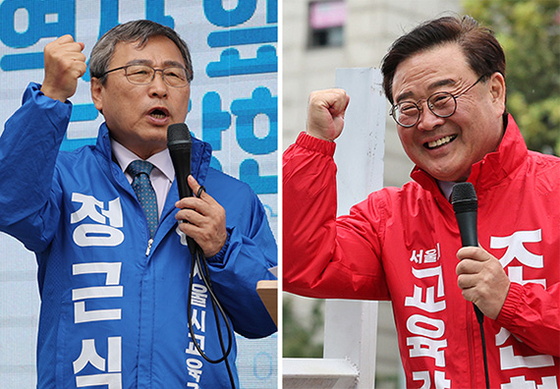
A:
(315, 144)
(59, 112)
(220, 257)
(513, 299)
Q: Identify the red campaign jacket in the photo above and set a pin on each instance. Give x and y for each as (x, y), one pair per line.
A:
(400, 244)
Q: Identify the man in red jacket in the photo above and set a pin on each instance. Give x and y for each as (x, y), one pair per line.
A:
(445, 81)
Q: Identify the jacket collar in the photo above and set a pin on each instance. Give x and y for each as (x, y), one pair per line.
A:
(493, 168)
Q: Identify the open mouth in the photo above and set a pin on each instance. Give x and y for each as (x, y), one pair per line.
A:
(440, 142)
(158, 113)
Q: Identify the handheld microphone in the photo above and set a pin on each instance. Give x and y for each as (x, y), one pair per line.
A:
(465, 205)
(179, 143)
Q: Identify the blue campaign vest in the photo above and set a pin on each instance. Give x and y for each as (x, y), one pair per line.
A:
(113, 311)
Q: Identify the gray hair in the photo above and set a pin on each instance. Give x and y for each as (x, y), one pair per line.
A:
(136, 31)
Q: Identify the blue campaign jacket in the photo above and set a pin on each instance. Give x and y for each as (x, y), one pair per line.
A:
(113, 313)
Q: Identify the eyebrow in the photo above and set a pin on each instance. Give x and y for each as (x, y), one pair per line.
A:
(432, 86)
(150, 63)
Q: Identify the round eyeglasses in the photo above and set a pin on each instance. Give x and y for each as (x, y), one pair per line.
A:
(174, 76)
(441, 104)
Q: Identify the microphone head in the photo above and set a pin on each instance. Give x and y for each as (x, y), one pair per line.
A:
(464, 197)
(178, 136)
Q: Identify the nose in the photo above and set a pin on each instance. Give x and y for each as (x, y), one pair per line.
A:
(158, 87)
(428, 121)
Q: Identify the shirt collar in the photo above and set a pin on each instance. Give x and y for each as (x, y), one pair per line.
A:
(446, 188)
(161, 160)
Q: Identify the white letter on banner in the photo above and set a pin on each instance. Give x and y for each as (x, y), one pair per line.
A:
(508, 360)
(422, 376)
(194, 367)
(521, 383)
(426, 347)
(88, 208)
(88, 355)
(516, 249)
(440, 380)
(412, 326)
(114, 213)
(515, 274)
(113, 380)
(111, 289)
(430, 305)
(430, 272)
(114, 364)
(97, 234)
(83, 316)
(200, 325)
(111, 269)
(192, 348)
(198, 295)
(86, 235)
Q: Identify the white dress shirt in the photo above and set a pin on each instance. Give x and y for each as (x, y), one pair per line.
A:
(162, 175)
(446, 188)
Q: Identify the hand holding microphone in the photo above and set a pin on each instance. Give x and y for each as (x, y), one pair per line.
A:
(480, 275)
(205, 218)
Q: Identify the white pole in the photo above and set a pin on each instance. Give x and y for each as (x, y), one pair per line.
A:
(351, 326)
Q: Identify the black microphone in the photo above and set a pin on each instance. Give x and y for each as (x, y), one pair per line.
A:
(179, 143)
(465, 205)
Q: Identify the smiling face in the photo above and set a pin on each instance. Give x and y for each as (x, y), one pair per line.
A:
(138, 115)
(446, 148)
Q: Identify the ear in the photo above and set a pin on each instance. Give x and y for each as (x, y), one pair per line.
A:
(498, 91)
(96, 95)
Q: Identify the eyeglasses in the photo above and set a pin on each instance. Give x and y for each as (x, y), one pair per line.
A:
(174, 76)
(441, 104)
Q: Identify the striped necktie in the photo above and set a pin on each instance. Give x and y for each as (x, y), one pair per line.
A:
(140, 172)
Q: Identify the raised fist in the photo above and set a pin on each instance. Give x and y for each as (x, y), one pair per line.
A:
(325, 117)
(64, 64)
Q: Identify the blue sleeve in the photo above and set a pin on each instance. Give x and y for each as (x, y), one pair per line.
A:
(245, 259)
(28, 151)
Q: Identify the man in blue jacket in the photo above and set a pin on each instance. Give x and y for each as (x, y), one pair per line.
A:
(113, 276)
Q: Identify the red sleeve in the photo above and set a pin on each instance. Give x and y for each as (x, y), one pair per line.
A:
(322, 256)
(532, 314)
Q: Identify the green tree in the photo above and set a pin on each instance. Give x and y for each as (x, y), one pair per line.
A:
(529, 31)
(298, 338)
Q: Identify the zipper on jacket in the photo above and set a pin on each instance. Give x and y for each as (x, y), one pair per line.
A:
(149, 247)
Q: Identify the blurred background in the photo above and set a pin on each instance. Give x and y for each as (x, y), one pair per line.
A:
(322, 35)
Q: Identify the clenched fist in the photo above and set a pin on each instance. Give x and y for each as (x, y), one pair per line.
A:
(64, 64)
(325, 117)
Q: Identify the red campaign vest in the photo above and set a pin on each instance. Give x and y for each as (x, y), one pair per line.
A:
(400, 244)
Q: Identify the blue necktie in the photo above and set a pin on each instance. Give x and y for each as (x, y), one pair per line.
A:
(140, 172)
